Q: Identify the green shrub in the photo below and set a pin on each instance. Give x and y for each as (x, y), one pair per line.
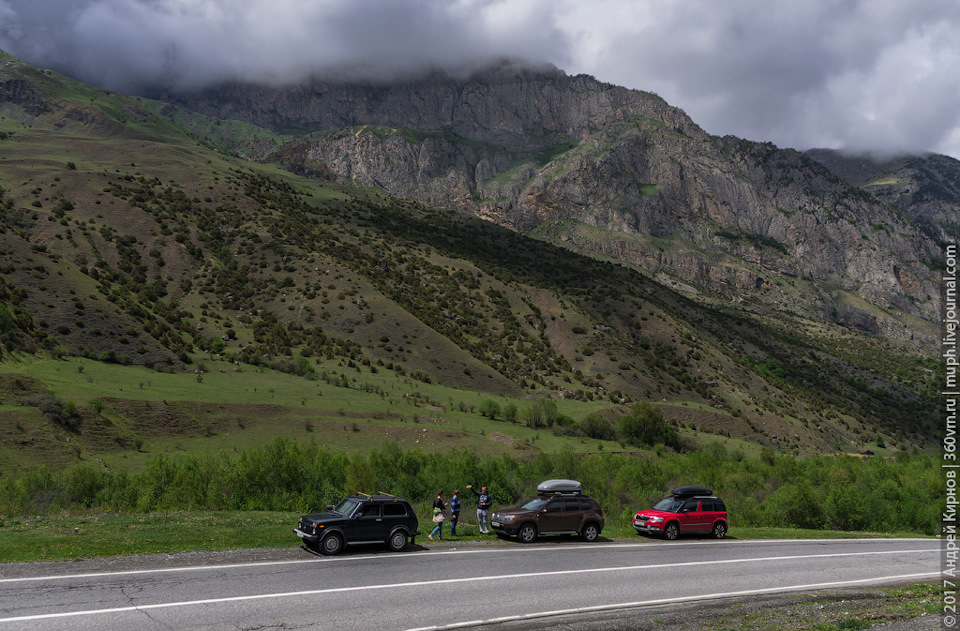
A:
(645, 425)
(489, 408)
(842, 493)
(597, 427)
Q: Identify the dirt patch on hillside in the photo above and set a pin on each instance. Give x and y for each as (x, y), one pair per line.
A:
(501, 438)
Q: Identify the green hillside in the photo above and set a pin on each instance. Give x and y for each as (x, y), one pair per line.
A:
(158, 296)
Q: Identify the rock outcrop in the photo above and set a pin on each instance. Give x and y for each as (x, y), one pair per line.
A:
(616, 171)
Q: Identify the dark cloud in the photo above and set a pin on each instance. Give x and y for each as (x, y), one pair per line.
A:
(877, 75)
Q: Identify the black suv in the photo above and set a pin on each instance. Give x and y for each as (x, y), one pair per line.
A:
(559, 508)
(360, 519)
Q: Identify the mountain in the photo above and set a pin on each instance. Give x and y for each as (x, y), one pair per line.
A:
(601, 169)
(925, 189)
(622, 255)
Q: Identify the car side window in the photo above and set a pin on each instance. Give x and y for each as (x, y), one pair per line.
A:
(394, 509)
(553, 507)
(370, 510)
(571, 504)
(690, 506)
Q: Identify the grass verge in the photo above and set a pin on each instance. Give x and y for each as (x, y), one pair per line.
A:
(73, 537)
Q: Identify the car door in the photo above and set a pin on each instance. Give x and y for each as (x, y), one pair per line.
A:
(550, 517)
(692, 518)
(712, 510)
(367, 524)
(572, 514)
(394, 514)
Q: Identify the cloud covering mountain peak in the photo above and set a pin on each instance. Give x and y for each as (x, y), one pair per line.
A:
(877, 76)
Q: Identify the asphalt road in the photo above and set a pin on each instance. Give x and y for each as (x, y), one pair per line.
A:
(446, 586)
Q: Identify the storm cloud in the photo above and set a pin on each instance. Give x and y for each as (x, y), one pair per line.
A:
(879, 75)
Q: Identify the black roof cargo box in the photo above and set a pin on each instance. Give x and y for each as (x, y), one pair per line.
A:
(690, 491)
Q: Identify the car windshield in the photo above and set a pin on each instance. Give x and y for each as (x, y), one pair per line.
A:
(347, 506)
(534, 503)
(669, 504)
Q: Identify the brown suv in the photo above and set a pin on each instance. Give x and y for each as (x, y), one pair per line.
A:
(559, 508)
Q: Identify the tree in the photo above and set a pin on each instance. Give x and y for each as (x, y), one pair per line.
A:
(597, 427)
(543, 413)
(644, 425)
(489, 408)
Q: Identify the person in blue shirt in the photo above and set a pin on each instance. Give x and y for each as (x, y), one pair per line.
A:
(484, 502)
(454, 512)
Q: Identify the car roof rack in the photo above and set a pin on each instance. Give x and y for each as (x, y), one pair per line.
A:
(377, 494)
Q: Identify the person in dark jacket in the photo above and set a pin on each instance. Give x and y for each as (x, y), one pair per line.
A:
(439, 506)
(454, 512)
(484, 502)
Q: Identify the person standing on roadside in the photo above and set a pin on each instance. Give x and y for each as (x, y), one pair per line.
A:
(484, 502)
(454, 512)
(439, 506)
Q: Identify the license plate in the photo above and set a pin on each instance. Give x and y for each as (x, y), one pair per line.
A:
(495, 524)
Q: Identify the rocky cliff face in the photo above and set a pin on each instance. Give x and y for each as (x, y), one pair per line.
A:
(619, 172)
(926, 189)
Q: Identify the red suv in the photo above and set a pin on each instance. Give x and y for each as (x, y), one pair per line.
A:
(689, 509)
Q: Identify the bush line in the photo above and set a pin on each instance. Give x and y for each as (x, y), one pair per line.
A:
(774, 490)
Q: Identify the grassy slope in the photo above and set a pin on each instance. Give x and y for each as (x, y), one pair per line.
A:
(234, 408)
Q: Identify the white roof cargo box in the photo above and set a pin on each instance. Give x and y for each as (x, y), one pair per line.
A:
(552, 487)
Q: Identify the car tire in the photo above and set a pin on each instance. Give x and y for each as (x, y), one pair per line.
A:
(527, 533)
(671, 531)
(719, 530)
(332, 544)
(397, 541)
(590, 532)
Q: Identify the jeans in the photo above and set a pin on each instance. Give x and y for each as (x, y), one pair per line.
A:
(483, 520)
(453, 524)
(439, 529)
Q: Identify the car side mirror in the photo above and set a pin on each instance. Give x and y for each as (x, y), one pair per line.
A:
(329, 506)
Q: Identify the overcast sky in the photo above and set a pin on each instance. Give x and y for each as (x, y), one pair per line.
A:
(877, 75)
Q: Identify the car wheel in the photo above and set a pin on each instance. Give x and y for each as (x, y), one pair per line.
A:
(331, 544)
(590, 532)
(527, 533)
(671, 532)
(719, 530)
(398, 541)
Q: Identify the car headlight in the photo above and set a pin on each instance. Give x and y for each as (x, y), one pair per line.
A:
(655, 520)
(505, 518)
